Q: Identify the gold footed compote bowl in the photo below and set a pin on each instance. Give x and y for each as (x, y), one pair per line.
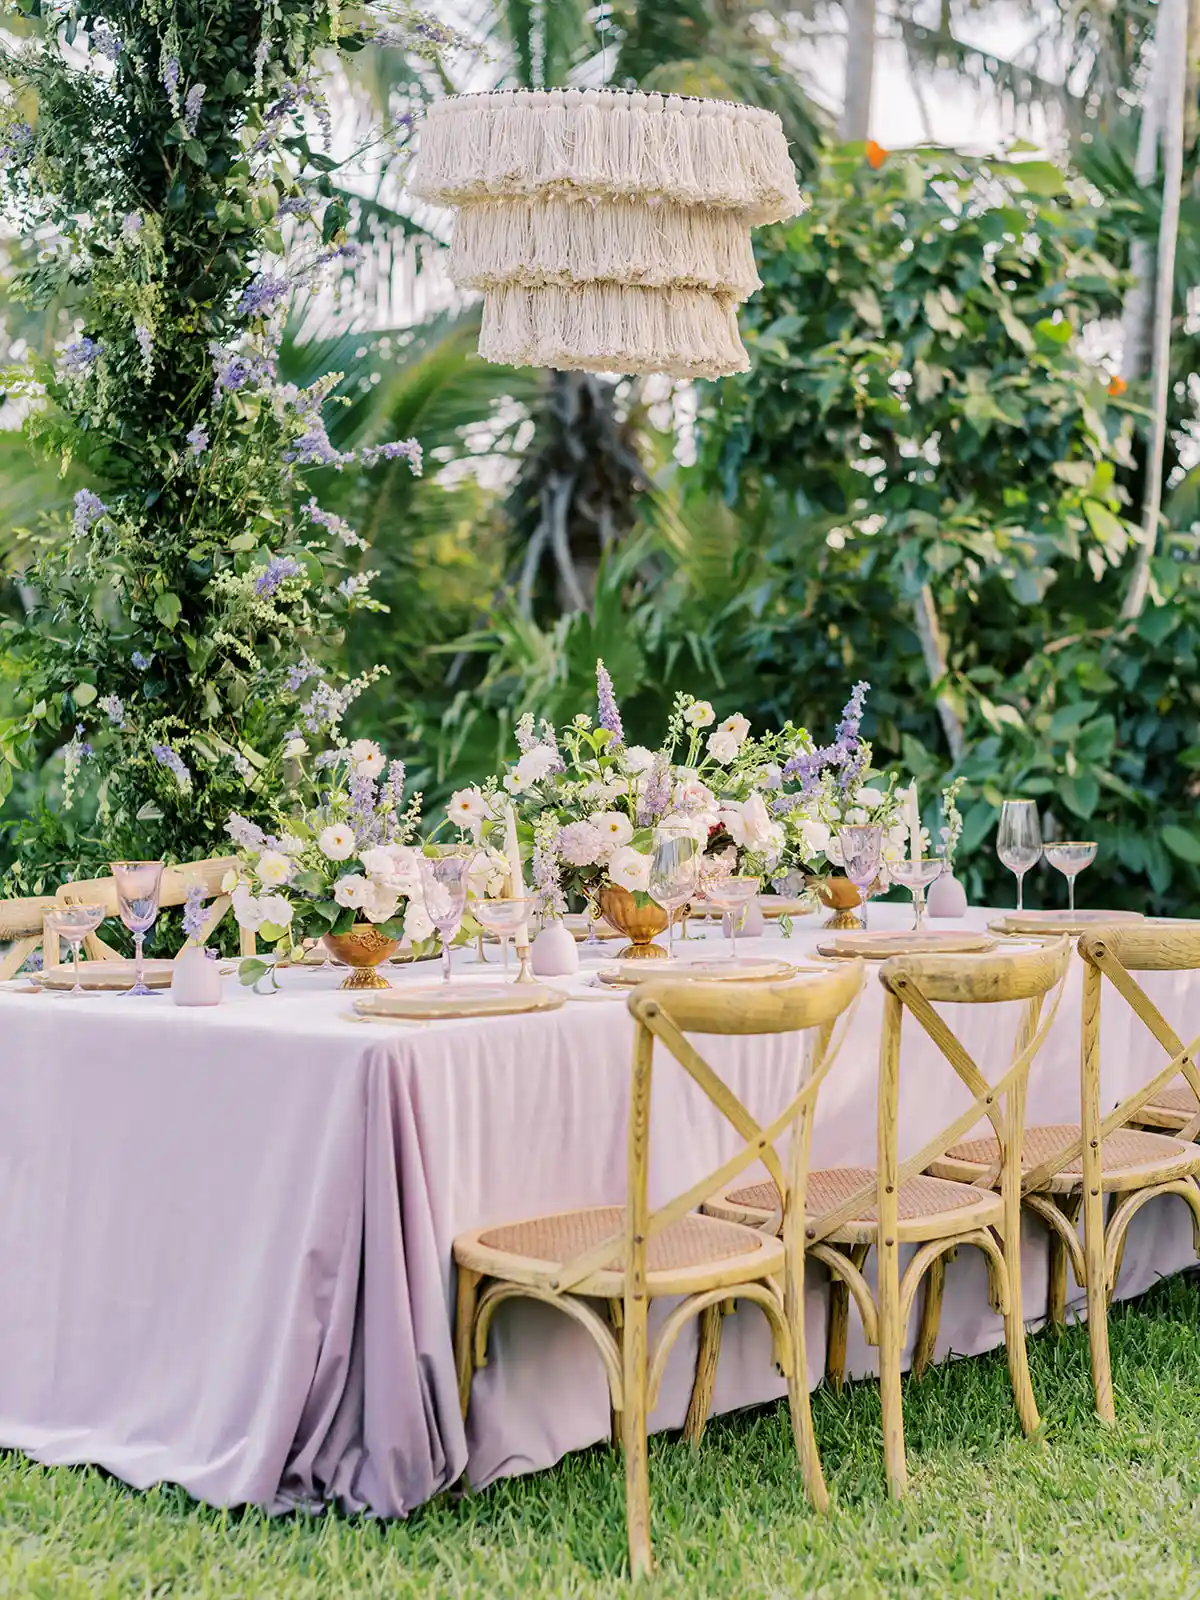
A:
(362, 950)
(1071, 856)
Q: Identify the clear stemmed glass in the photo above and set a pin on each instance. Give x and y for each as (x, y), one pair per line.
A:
(916, 876)
(74, 923)
(138, 884)
(1019, 841)
(1070, 856)
(732, 895)
(502, 918)
(862, 852)
(674, 873)
(444, 886)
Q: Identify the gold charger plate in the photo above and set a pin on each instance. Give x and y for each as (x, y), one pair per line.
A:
(454, 1000)
(1060, 921)
(776, 905)
(104, 976)
(744, 970)
(904, 942)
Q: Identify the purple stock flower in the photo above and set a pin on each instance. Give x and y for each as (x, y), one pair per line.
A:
(655, 799)
(88, 508)
(141, 662)
(114, 710)
(339, 252)
(332, 523)
(193, 912)
(15, 142)
(106, 41)
(131, 225)
(174, 763)
(396, 775)
(197, 437)
(298, 674)
(847, 742)
(407, 449)
(80, 354)
(145, 340)
(191, 109)
(296, 205)
(273, 575)
(259, 297)
(313, 449)
(232, 371)
(357, 583)
(610, 716)
(364, 805)
(170, 78)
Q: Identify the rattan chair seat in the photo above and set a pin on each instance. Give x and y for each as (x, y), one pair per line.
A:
(1130, 1158)
(928, 1206)
(22, 918)
(680, 1259)
(1171, 1107)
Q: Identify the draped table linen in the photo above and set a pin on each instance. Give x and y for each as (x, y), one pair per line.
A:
(225, 1235)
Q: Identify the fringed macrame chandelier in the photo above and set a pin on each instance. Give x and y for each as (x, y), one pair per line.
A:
(609, 231)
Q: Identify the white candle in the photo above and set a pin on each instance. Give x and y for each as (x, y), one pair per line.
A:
(914, 823)
(513, 851)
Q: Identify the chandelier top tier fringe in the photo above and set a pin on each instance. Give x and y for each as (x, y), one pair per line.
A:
(607, 142)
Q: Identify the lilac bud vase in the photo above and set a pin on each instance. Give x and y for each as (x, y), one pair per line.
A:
(946, 897)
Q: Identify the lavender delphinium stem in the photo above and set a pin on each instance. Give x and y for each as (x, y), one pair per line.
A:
(606, 700)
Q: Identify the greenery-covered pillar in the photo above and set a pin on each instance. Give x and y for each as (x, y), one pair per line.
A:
(168, 163)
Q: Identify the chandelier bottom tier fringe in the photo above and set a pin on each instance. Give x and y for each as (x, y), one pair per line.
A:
(565, 242)
(607, 327)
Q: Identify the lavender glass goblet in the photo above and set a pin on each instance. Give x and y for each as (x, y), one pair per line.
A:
(138, 885)
(862, 852)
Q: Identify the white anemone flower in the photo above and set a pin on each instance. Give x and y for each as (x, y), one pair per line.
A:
(337, 841)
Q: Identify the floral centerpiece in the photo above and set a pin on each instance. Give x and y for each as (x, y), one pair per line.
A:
(588, 804)
(342, 853)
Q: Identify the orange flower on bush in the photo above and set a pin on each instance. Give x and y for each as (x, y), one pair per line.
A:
(1117, 387)
(876, 155)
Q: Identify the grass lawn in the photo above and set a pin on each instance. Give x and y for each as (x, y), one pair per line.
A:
(1079, 1513)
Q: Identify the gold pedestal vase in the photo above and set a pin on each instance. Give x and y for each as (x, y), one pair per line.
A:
(639, 924)
(362, 949)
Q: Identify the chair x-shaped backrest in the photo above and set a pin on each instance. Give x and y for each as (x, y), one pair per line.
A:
(913, 984)
(665, 1013)
(1116, 953)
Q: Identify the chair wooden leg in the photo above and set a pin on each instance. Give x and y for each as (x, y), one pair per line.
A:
(839, 1322)
(891, 1336)
(464, 1331)
(1014, 1335)
(931, 1316)
(1114, 1200)
(633, 1432)
(799, 1401)
(1097, 1303)
(706, 1374)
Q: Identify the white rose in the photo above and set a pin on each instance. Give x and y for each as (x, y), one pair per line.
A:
(380, 905)
(367, 758)
(693, 795)
(637, 759)
(748, 824)
(833, 853)
(379, 863)
(699, 714)
(417, 926)
(815, 837)
(467, 808)
(294, 748)
(614, 828)
(856, 817)
(694, 825)
(487, 874)
(737, 725)
(276, 910)
(629, 869)
(406, 874)
(290, 845)
(870, 798)
(274, 868)
(247, 909)
(353, 890)
(337, 841)
(722, 747)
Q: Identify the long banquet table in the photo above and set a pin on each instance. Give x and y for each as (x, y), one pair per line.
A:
(225, 1235)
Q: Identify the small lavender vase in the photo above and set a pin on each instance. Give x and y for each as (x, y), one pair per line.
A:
(196, 979)
(946, 897)
(554, 953)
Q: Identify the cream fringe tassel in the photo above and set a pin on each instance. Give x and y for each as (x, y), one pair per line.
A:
(606, 142)
(604, 327)
(537, 242)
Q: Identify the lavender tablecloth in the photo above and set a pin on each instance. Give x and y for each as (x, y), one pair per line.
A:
(225, 1235)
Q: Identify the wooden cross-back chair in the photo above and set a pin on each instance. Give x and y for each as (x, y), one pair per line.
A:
(177, 882)
(853, 1210)
(602, 1265)
(21, 928)
(1069, 1167)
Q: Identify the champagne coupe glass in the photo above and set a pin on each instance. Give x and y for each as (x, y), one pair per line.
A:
(1019, 841)
(732, 895)
(862, 852)
(674, 873)
(916, 876)
(74, 923)
(503, 918)
(444, 885)
(1070, 856)
(138, 885)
